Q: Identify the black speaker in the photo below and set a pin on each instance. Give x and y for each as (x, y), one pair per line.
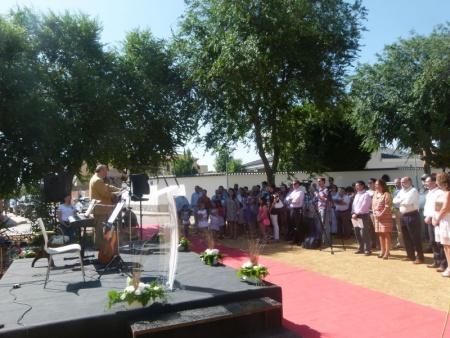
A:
(56, 187)
(139, 183)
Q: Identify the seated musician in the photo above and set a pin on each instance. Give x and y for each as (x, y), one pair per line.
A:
(65, 210)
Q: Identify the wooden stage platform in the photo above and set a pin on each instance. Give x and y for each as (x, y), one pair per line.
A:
(210, 301)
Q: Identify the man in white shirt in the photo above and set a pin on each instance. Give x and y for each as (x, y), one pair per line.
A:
(398, 216)
(295, 200)
(439, 261)
(360, 210)
(343, 213)
(408, 201)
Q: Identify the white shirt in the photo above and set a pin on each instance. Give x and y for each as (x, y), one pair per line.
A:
(371, 192)
(296, 198)
(428, 210)
(66, 211)
(407, 199)
(342, 207)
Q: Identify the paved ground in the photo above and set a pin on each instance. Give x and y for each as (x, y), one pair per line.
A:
(16, 225)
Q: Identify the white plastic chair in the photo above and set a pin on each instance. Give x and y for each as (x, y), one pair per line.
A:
(71, 248)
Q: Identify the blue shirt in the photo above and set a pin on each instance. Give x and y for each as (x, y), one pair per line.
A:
(194, 198)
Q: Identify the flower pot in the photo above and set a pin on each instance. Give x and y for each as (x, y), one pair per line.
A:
(252, 279)
(136, 305)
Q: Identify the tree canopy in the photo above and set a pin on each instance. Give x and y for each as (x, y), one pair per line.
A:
(318, 145)
(66, 100)
(225, 162)
(404, 98)
(252, 62)
(184, 165)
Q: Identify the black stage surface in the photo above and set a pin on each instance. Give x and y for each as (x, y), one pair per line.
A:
(69, 307)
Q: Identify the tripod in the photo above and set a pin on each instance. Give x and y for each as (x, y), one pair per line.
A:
(322, 227)
(116, 261)
(297, 215)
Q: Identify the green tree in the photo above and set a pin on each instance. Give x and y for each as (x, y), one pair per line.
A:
(320, 145)
(20, 106)
(53, 115)
(404, 97)
(224, 162)
(184, 165)
(252, 61)
(154, 103)
(65, 100)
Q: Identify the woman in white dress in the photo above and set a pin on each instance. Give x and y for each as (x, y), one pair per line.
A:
(441, 219)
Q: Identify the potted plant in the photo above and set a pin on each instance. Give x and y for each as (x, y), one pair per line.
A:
(136, 294)
(211, 256)
(184, 244)
(252, 271)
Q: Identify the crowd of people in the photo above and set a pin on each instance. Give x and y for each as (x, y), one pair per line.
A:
(320, 210)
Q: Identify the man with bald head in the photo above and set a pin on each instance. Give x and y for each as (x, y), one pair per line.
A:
(102, 192)
(408, 201)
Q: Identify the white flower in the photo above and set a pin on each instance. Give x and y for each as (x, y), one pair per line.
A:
(137, 292)
(261, 266)
(208, 251)
(214, 252)
(247, 265)
(156, 288)
(129, 289)
(256, 267)
(122, 296)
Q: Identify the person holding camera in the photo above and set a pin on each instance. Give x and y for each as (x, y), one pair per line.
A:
(324, 210)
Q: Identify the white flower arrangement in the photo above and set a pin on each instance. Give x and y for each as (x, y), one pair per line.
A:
(253, 272)
(142, 293)
(211, 256)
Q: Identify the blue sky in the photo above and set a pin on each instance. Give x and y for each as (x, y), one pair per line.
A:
(387, 21)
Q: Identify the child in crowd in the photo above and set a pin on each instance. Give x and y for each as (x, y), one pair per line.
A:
(263, 218)
(185, 215)
(232, 213)
(242, 221)
(251, 211)
(214, 218)
(202, 216)
(220, 219)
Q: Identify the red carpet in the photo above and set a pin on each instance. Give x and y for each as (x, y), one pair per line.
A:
(319, 306)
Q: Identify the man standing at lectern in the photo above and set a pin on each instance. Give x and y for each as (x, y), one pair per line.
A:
(103, 193)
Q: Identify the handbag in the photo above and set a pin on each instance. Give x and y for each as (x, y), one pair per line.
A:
(266, 221)
(60, 239)
(311, 243)
(279, 205)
